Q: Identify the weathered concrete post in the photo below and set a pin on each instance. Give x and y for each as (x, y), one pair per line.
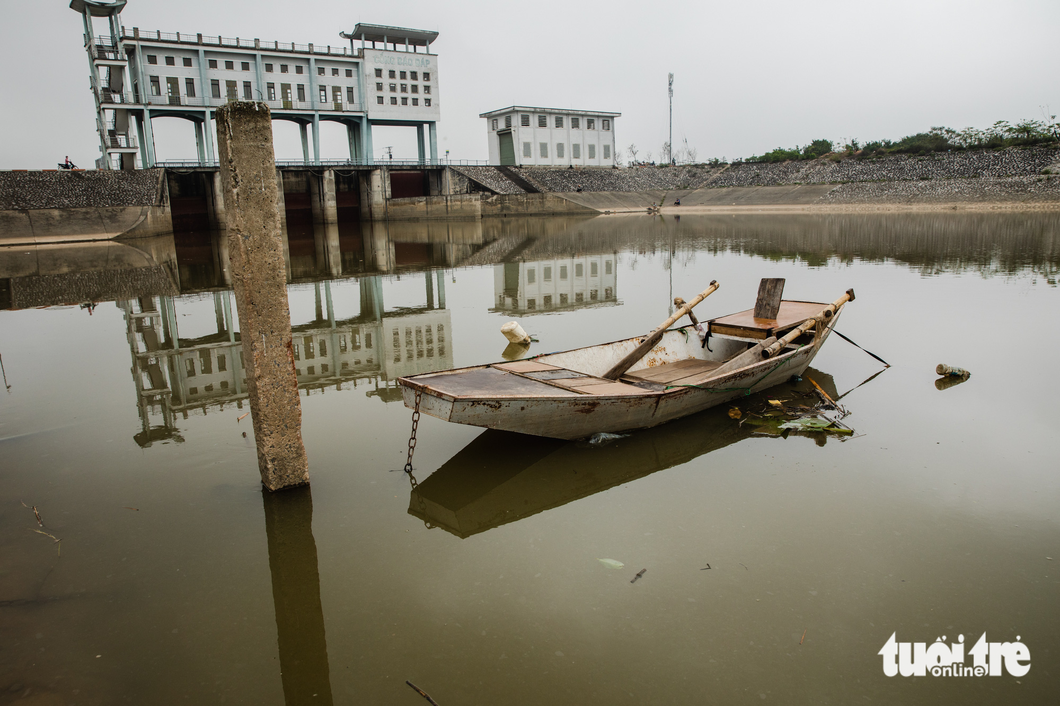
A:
(248, 178)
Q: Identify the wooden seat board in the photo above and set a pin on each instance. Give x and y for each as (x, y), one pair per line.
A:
(491, 382)
(791, 314)
(668, 372)
(524, 366)
(610, 388)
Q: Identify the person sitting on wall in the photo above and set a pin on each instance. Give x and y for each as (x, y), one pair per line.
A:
(677, 202)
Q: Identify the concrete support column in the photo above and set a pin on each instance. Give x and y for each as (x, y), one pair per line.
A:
(305, 142)
(366, 138)
(200, 144)
(433, 128)
(150, 141)
(220, 219)
(316, 196)
(248, 171)
(421, 149)
(376, 194)
(209, 136)
(441, 289)
(353, 134)
(316, 138)
(330, 200)
(430, 289)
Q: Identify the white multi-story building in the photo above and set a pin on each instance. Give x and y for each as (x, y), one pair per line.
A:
(389, 77)
(522, 136)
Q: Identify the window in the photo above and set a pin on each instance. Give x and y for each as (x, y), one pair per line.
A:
(230, 66)
(349, 94)
(531, 275)
(404, 100)
(187, 61)
(152, 59)
(579, 297)
(507, 119)
(559, 121)
(320, 71)
(543, 148)
(427, 89)
(494, 124)
(607, 151)
(299, 69)
(531, 304)
(392, 74)
(231, 91)
(212, 63)
(171, 61)
(563, 272)
(426, 76)
(336, 94)
(559, 150)
(592, 151)
(590, 123)
(576, 150)
(349, 73)
(607, 268)
(379, 100)
(575, 123)
(526, 150)
(156, 88)
(244, 66)
(415, 101)
(579, 270)
(283, 68)
(546, 273)
(404, 76)
(379, 73)
(542, 121)
(427, 102)
(270, 90)
(563, 300)
(607, 124)
(323, 94)
(393, 100)
(334, 72)
(268, 68)
(415, 88)
(215, 88)
(594, 294)
(524, 120)
(189, 87)
(404, 88)
(393, 88)
(248, 92)
(547, 301)
(413, 75)
(594, 269)
(378, 85)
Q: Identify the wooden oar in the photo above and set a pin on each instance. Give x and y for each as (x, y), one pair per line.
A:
(826, 313)
(643, 349)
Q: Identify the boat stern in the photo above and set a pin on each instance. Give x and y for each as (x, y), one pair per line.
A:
(430, 403)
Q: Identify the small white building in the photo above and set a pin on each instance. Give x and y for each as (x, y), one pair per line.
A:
(523, 136)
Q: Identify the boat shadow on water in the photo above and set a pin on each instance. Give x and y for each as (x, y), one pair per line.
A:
(503, 476)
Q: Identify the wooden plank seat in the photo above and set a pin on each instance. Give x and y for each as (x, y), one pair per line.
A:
(680, 372)
(743, 324)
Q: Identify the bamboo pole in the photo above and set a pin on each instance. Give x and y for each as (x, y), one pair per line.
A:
(827, 313)
(645, 347)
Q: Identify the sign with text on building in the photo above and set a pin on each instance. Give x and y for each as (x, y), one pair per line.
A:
(401, 85)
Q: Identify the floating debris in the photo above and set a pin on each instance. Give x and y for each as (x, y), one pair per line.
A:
(639, 574)
(611, 563)
(240, 417)
(605, 438)
(943, 369)
(419, 691)
(735, 413)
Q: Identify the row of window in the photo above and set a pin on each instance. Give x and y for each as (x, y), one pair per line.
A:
(404, 101)
(404, 88)
(232, 90)
(404, 75)
(245, 66)
(575, 150)
(558, 121)
(579, 271)
(564, 300)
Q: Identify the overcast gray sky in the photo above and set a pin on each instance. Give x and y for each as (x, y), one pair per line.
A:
(750, 76)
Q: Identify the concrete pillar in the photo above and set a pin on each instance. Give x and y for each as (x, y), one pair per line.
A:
(330, 200)
(421, 149)
(219, 202)
(244, 135)
(366, 138)
(441, 289)
(430, 289)
(433, 130)
(353, 134)
(209, 137)
(316, 138)
(316, 196)
(281, 208)
(376, 194)
(305, 142)
(200, 145)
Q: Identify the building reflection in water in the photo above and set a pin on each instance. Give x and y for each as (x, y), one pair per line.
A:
(174, 375)
(555, 284)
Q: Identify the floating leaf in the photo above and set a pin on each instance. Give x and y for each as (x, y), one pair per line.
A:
(611, 563)
(735, 413)
(806, 424)
(776, 403)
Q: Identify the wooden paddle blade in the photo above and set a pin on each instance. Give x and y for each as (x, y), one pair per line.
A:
(770, 292)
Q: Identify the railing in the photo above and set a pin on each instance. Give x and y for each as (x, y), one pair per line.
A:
(235, 42)
(102, 49)
(120, 141)
(185, 163)
(113, 97)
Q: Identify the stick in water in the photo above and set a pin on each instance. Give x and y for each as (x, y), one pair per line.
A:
(422, 693)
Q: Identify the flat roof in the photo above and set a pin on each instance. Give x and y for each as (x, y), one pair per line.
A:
(531, 109)
(401, 35)
(97, 8)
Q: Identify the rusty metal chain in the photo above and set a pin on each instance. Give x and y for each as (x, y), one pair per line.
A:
(412, 437)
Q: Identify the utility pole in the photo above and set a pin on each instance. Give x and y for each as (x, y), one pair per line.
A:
(670, 149)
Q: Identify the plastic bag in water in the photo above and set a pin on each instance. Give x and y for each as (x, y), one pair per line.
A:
(604, 438)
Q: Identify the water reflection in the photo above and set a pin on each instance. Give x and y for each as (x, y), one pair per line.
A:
(303, 645)
(174, 375)
(502, 477)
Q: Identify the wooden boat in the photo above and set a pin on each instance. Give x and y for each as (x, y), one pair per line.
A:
(637, 382)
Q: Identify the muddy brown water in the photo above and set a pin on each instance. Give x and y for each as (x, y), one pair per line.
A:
(177, 581)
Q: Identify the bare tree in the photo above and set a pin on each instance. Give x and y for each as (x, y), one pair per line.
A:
(690, 153)
(632, 152)
(647, 156)
(666, 155)
(618, 158)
